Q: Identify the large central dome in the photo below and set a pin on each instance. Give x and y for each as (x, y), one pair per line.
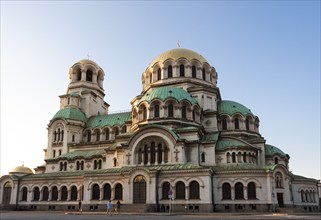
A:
(178, 53)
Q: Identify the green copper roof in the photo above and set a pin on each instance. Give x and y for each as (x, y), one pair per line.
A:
(70, 113)
(163, 93)
(109, 120)
(81, 154)
(230, 108)
(210, 137)
(223, 144)
(270, 150)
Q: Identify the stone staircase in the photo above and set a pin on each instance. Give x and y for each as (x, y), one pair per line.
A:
(134, 208)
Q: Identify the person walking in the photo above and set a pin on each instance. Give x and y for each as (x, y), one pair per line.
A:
(117, 207)
(109, 207)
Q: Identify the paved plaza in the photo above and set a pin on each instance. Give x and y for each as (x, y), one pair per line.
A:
(157, 216)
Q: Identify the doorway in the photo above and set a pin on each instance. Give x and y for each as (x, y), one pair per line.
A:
(280, 199)
(140, 189)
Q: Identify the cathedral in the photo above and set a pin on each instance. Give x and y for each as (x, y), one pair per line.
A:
(181, 148)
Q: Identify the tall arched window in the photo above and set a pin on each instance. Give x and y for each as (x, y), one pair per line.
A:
(228, 157)
(124, 129)
(165, 189)
(152, 153)
(166, 151)
(45, 193)
(145, 154)
(24, 194)
(244, 157)
(302, 196)
(203, 157)
(276, 160)
(181, 70)
(180, 190)
(170, 71)
(36, 194)
(78, 74)
(203, 74)
(98, 135)
(156, 111)
(170, 111)
(95, 192)
(107, 192)
(184, 112)
(226, 191)
(54, 193)
(194, 190)
(73, 193)
(251, 190)
(159, 76)
(116, 131)
(224, 124)
(118, 191)
(150, 78)
(247, 124)
(88, 136)
(278, 180)
(144, 113)
(193, 71)
(236, 123)
(159, 153)
(107, 134)
(233, 157)
(64, 193)
(89, 75)
(239, 193)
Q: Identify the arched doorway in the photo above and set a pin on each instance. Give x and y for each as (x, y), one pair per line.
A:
(6, 193)
(140, 189)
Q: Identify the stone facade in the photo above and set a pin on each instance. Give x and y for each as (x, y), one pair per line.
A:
(181, 148)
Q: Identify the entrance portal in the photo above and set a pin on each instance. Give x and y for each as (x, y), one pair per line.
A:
(280, 199)
(139, 189)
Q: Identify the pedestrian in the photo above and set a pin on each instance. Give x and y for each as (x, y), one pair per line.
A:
(117, 209)
(109, 207)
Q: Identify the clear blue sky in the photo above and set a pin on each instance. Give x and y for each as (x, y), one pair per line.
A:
(267, 55)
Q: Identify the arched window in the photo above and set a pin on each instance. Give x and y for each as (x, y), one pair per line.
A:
(6, 196)
(107, 134)
(194, 190)
(150, 78)
(88, 136)
(236, 123)
(36, 194)
(233, 157)
(184, 112)
(226, 191)
(107, 192)
(203, 157)
(73, 193)
(116, 131)
(194, 114)
(239, 193)
(54, 153)
(159, 153)
(118, 191)
(98, 135)
(278, 180)
(159, 76)
(45, 193)
(170, 111)
(24, 194)
(203, 74)
(302, 196)
(156, 111)
(193, 71)
(124, 129)
(89, 75)
(152, 153)
(224, 124)
(54, 193)
(64, 193)
(170, 71)
(95, 192)
(144, 113)
(244, 157)
(78, 74)
(59, 152)
(181, 70)
(180, 190)
(62, 135)
(247, 124)
(251, 190)
(276, 160)
(115, 162)
(166, 150)
(228, 157)
(165, 189)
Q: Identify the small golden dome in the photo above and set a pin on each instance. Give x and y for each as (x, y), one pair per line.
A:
(21, 170)
(178, 53)
(87, 61)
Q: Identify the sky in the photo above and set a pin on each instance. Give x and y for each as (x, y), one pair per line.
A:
(266, 53)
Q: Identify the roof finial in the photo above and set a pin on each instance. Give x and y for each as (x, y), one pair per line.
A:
(88, 55)
(178, 44)
(23, 163)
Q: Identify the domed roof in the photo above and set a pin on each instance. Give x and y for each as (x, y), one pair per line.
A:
(271, 150)
(71, 113)
(87, 61)
(177, 53)
(162, 93)
(230, 108)
(21, 170)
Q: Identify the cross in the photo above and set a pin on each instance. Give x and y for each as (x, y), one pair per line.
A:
(128, 156)
(219, 159)
(178, 44)
(88, 55)
(176, 152)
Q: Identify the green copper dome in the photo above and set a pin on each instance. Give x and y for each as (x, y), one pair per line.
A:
(271, 150)
(163, 93)
(230, 108)
(71, 113)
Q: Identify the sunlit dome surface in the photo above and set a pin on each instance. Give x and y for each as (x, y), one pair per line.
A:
(21, 170)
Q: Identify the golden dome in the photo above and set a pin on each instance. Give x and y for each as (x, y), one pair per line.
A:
(177, 53)
(21, 170)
